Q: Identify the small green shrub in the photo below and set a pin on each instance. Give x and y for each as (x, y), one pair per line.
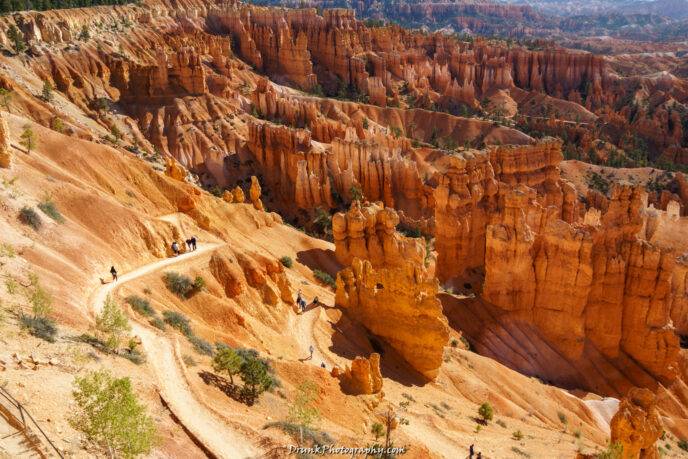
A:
(11, 285)
(30, 217)
(286, 261)
(140, 305)
(325, 278)
(485, 411)
(454, 342)
(517, 435)
(501, 423)
(40, 327)
(41, 300)
(577, 433)
(6, 250)
(613, 451)
(158, 323)
(50, 209)
(201, 346)
(179, 321)
(311, 436)
(683, 444)
(178, 284)
(134, 356)
(189, 361)
(199, 283)
(562, 417)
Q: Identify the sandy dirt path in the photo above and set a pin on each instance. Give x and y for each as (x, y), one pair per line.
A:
(210, 430)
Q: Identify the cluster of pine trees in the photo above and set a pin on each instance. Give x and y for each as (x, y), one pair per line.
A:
(9, 6)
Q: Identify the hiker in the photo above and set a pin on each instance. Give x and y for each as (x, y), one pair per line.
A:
(175, 248)
(471, 452)
(322, 365)
(300, 302)
(480, 455)
(316, 302)
(188, 244)
(193, 242)
(311, 349)
(299, 299)
(113, 271)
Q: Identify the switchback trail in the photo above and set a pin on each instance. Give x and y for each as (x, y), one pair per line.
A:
(210, 430)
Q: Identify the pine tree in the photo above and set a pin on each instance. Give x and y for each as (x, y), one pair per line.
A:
(5, 96)
(28, 139)
(17, 39)
(47, 92)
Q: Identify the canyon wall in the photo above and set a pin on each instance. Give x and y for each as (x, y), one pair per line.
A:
(579, 283)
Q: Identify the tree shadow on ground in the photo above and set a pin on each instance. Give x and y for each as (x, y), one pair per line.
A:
(230, 390)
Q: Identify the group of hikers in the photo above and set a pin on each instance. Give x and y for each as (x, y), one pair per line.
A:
(301, 302)
(471, 453)
(190, 245)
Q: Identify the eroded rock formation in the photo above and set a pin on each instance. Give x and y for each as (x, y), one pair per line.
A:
(237, 272)
(637, 425)
(391, 280)
(254, 193)
(363, 377)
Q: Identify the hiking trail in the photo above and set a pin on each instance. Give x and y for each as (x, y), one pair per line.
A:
(209, 429)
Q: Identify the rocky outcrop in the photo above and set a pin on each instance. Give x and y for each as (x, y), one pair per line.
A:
(174, 169)
(5, 155)
(637, 425)
(393, 282)
(237, 272)
(254, 194)
(362, 378)
(238, 195)
(369, 233)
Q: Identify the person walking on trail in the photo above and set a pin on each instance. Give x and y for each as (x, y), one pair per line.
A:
(311, 349)
(193, 242)
(113, 271)
(175, 248)
(300, 302)
(471, 452)
(188, 244)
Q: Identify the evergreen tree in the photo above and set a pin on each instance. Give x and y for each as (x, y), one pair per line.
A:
(17, 39)
(28, 139)
(47, 92)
